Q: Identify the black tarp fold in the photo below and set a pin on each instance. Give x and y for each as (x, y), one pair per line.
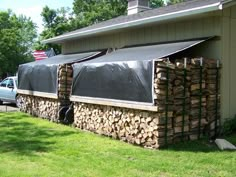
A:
(125, 74)
(41, 76)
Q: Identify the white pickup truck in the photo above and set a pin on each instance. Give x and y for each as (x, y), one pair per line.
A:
(8, 89)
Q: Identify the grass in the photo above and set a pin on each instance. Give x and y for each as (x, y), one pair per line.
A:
(35, 147)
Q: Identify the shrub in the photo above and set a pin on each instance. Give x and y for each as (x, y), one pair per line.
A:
(229, 126)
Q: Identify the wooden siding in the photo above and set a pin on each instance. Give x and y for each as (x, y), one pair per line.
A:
(207, 26)
(228, 85)
(225, 84)
(233, 67)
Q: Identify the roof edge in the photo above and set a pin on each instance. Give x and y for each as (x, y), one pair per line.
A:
(158, 18)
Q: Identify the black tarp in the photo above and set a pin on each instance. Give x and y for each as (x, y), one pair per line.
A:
(125, 74)
(41, 76)
(131, 81)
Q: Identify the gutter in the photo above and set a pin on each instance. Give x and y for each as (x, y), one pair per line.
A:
(143, 21)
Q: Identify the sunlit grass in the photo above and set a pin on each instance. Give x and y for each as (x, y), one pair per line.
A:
(35, 147)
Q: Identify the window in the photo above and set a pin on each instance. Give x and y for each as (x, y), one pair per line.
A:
(10, 83)
(4, 83)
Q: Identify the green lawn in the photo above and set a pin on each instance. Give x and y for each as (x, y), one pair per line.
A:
(35, 147)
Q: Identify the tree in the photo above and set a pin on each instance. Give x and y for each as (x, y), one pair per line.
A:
(171, 2)
(56, 22)
(17, 35)
(156, 3)
(85, 13)
(88, 12)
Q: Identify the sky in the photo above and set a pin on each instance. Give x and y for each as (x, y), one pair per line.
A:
(33, 8)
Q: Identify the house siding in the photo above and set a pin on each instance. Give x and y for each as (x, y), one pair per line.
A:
(221, 24)
(232, 67)
(207, 26)
(228, 85)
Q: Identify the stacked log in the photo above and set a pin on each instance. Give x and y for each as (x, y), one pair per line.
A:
(134, 126)
(163, 88)
(64, 83)
(148, 129)
(198, 98)
(181, 99)
(47, 107)
(213, 96)
(184, 93)
(40, 107)
(25, 103)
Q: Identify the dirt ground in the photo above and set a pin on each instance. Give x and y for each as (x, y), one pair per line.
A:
(8, 107)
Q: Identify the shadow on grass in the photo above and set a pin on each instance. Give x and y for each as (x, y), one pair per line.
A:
(22, 137)
(202, 145)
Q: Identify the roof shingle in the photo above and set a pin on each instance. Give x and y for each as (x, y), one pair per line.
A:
(191, 4)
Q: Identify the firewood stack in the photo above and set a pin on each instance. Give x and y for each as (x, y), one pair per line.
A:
(45, 108)
(134, 126)
(213, 96)
(41, 107)
(181, 99)
(163, 88)
(148, 129)
(26, 103)
(185, 99)
(186, 94)
(64, 84)
(198, 98)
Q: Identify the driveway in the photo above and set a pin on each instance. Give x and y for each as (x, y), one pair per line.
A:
(8, 107)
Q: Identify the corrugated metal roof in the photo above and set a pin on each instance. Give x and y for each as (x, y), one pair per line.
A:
(125, 21)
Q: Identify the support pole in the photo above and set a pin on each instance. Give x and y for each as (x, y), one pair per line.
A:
(66, 82)
(166, 102)
(184, 98)
(200, 101)
(217, 92)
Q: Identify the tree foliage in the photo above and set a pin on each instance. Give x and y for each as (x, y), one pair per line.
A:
(55, 22)
(88, 12)
(156, 3)
(85, 13)
(17, 35)
(171, 2)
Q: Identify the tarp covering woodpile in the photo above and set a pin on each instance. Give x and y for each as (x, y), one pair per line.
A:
(126, 74)
(41, 76)
(183, 92)
(45, 85)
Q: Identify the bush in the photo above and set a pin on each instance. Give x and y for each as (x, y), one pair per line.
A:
(229, 126)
